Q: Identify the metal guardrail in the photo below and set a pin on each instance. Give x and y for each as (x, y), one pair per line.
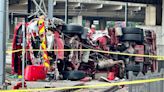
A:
(147, 87)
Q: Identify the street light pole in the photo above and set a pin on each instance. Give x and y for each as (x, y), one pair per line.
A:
(66, 11)
(50, 9)
(23, 52)
(7, 21)
(2, 41)
(126, 14)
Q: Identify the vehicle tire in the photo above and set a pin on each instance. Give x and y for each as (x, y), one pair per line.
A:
(73, 29)
(73, 75)
(132, 31)
(133, 37)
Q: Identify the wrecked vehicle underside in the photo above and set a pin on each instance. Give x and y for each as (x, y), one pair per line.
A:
(64, 51)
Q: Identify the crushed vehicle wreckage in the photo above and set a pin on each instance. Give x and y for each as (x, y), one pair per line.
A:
(46, 40)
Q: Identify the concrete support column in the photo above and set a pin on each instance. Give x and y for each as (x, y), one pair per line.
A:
(102, 24)
(2, 41)
(162, 26)
(50, 9)
(150, 16)
(78, 20)
(161, 41)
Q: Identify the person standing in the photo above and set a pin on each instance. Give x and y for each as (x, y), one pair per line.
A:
(59, 44)
(55, 41)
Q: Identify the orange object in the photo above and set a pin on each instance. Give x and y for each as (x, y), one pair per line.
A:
(33, 73)
(111, 76)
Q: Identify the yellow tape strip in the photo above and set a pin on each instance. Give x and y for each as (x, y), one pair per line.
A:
(101, 51)
(89, 86)
(127, 54)
(13, 51)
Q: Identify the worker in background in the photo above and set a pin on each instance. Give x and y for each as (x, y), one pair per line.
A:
(92, 31)
(59, 44)
(55, 41)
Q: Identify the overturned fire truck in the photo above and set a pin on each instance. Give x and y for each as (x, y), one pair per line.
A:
(66, 51)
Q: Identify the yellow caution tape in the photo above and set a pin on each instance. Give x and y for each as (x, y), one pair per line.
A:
(106, 52)
(13, 51)
(101, 51)
(89, 86)
(127, 54)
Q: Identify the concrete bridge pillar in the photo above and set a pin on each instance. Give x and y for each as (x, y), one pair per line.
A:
(78, 20)
(150, 16)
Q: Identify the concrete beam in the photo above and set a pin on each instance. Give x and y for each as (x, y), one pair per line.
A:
(93, 6)
(74, 5)
(110, 8)
(18, 7)
(23, 2)
(60, 5)
(134, 8)
(94, 13)
(104, 2)
(116, 7)
(93, 2)
(137, 4)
